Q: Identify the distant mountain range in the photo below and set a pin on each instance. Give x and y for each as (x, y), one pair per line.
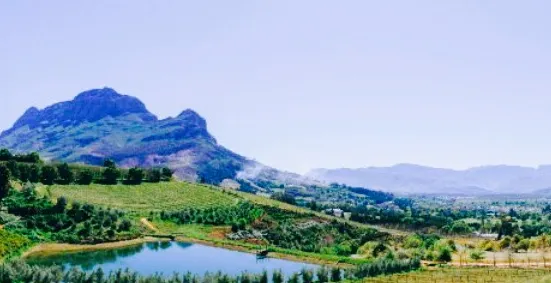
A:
(416, 179)
(101, 123)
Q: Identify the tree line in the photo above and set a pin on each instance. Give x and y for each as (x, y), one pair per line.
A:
(19, 271)
(30, 168)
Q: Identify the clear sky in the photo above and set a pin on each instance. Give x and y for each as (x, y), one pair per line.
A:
(303, 84)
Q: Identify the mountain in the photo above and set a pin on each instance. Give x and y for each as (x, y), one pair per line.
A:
(101, 123)
(410, 178)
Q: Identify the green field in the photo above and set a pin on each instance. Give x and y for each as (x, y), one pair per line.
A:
(144, 197)
(469, 275)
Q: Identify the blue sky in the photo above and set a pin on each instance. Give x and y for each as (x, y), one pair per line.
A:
(303, 84)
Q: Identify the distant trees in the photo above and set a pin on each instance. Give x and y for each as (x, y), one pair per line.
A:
(34, 173)
(29, 168)
(111, 175)
(49, 175)
(135, 176)
(14, 169)
(85, 177)
(154, 175)
(5, 176)
(166, 174)
(66, 176)
(24, 172)
(284, 197)
(6, 155)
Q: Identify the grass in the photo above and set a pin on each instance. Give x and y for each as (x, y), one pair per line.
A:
(145, 197)
(468, 275)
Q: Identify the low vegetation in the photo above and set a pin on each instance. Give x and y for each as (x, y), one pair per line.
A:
(11, 244)
(145, 197)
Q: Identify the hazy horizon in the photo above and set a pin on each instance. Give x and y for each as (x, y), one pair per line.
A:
(303, 85)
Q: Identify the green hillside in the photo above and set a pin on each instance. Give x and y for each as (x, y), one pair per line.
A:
(144, 197)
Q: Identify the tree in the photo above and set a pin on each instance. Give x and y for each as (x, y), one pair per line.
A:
(135, 176)
(523, 244)
(166, 174)
(477, 255)
(277, 277)
(34, 173)
(48, 175)
(85, 177)
(5, 155)
(66, 176)
(444, 255)
(61, 204)
(154, 175)
(109, 163)
(14, 169)
(284, 197)
(24, 172)
(335, 274)
(111, 175)
(307, 276)
(5, 176)
(322, 275)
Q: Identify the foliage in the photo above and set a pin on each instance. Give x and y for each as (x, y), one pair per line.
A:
(43, 220)
(476, 255)
(85, 177)
(49, 175)
(154, 175)
(18, 271)
(6, 155)
(284, 197)
(5, 176)
(11, 243)
(240, 215)
(111, 175)
(66, 176)
(135, 176)
(386, 266)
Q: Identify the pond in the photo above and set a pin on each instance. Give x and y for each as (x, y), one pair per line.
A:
(169, 257)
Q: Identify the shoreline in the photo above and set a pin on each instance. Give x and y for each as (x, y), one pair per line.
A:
(53, 248)
(274, 255)
(49, 248)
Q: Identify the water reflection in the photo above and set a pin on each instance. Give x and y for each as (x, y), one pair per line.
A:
(167, 258)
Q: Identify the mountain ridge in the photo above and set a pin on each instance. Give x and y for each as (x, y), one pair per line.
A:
(413, 178)
(102, 123)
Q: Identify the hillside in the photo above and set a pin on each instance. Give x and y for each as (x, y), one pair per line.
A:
(409, 178)
(101, 123)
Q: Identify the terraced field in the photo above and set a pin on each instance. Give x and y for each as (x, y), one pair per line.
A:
(469, 275)
(144, 197)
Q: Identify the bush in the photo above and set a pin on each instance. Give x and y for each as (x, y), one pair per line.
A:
(477, 255)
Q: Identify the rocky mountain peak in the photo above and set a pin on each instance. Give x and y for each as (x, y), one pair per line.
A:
(89, 106)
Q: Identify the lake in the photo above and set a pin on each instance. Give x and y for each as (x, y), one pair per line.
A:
(169, 257)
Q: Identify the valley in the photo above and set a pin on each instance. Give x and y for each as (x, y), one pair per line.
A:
(108, 224)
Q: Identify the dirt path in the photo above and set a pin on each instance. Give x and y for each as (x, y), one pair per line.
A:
(149, 225)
